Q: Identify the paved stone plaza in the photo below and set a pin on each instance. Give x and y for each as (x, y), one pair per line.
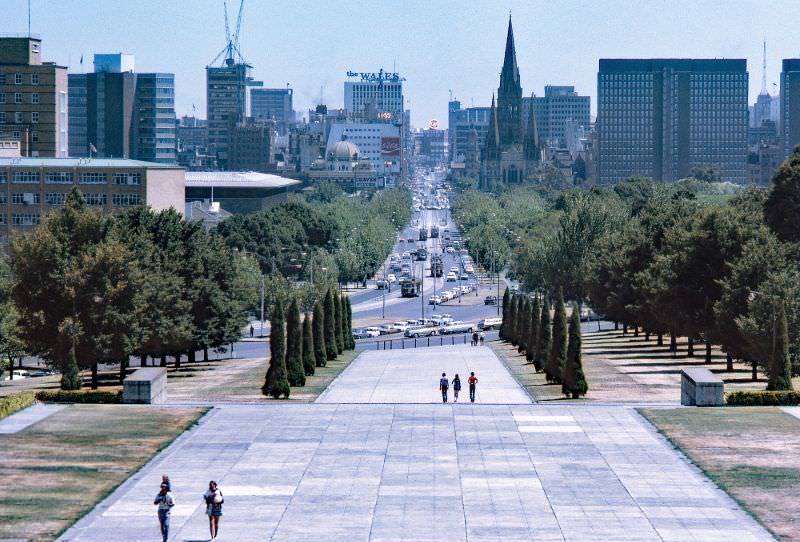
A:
(381, 472)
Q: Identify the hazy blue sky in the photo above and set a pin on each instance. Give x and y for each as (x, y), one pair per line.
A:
(436, 44)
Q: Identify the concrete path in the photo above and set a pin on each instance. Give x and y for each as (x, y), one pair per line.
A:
(27, 417)
(337, 471)
(412, 376)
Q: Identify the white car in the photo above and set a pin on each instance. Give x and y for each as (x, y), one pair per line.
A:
(392, 278)
(451, 277)
(372, 332)
(434, 300)
(450, 250)
(490, 323)
(400, 326)
(422, 331)
(458, 327)
(406, 256)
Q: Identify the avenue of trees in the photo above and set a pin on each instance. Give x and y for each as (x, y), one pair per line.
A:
(300, 344)
(698, 258)
(552, 345)
(87, 288)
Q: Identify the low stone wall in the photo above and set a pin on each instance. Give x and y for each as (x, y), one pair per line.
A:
(701, 387)
(146, 386)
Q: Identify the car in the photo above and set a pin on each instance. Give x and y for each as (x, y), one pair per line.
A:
(441, 319)
(454, 269)
(451, 277)
(411, 240)
(450, 250)
(392, 278)
(434, 300)
(466, 289)
(464, 276)
(400, 326)
(360, 333)
(426, 331)
(382, 283)
(490, 323)
(41, 372)
(458, 327)
(406, 255)
(469, 269)
(490, 300)
(373, 332)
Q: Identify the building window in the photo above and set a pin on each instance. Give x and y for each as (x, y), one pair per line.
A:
(17, 78)
(2, 97)
(2, 219)
(34, 79)
(55, 198)
(2, 117)
(26, 198)
(25, 219)
(2, 79)
(126, 200)
(34, 136)
(18, 117)
(58, 177)
(35, 98)
(17, 97)
(26, 177)
(3, 198)
(131, 179)
(95, 199)
(93, 178)
(34, 117)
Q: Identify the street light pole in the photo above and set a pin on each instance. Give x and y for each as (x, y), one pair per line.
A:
(262, 304)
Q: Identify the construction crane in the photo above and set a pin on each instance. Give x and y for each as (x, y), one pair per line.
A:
(231, 52)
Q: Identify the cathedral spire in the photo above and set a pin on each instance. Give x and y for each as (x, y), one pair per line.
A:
(509, 76)
(532, 149)
(493, 135)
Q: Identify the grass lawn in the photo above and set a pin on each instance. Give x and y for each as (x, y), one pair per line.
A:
(57, 470)
(241, 380)
(753, 453)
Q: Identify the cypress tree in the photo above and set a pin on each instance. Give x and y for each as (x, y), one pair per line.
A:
(574, 381)
(545, 336)
(348, 318)
(505, 323)
(318, 325)
(71, 377)
(533, 334)
(276, 383)
(558, 351)
(296, 374)
(309, 361)
(330, 327)
(780, 371)
(523, 324)
(512, 320)
(339, 314)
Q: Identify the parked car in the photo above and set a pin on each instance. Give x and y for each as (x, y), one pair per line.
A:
(373, 332)
(400, 326)
(427, 331)
(490, 323)
(386, 329)
(361, 333)
(381, 284)
(458, 327)
(392, 278)
(490, 300)
(451, 277)
(434, 300)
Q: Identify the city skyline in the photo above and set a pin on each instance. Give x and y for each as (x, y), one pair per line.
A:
(408, 35)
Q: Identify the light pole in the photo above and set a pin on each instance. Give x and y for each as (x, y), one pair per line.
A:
(262, 305)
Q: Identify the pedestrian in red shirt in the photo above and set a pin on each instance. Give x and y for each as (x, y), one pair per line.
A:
(472, 380)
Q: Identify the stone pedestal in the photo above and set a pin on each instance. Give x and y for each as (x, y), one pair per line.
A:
(701, 387)
(146, 386)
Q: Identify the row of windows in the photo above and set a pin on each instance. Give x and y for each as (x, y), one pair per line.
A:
(19, 98)
(18, 78)
(65, 177)
(19, 117)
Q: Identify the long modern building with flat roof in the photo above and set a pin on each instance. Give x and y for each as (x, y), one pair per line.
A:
(660, 118)
(32, 187)
(238, 192)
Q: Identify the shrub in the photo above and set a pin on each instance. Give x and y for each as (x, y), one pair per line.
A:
(94, 397)
(16, 402)
(763, 398)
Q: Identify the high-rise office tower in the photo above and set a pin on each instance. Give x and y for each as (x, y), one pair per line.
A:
(226, 104)
(33, 99)
(559, 107)
(273, 104)
(378, 94)
(461, 122)
(790, 104)
(660, 118)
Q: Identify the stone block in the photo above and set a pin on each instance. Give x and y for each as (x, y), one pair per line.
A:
(701, 387)
(146, 386)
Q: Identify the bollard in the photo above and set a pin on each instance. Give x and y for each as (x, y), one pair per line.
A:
(404, 344)
(453, 340)
(377, 345)
(441, 340)
(415, 342)
(429, 341)
(391, 345)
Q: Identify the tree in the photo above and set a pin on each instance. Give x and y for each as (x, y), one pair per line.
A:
(523, 324)
(533, 334)
(513, 317)
(348, 318)
(296, 374)
(319, 327)
(70, 374)
(340, 325)
(309, 361)
(330, 327)
(276, 383)
(782, 206)
(780, 377)
(11, 343)
(545, 343)
(579, 170)
(574, 381)
(506, 323)
(558, 351)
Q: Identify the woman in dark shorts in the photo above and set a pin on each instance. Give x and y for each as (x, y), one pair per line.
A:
(213, 498)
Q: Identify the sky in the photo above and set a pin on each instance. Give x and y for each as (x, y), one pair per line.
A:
(439, 46)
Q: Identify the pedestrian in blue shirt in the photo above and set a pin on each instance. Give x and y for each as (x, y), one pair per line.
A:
(444, 385)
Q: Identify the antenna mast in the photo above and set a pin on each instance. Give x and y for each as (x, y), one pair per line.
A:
(29, 18)
(764, 70)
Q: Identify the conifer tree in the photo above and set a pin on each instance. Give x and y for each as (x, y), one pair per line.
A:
(574, 382)
(71, 377)
(318, 325)
(330, 327)
(276, 383)
(296, 374)
(523, 324)
(339, 315)
(533, 334)
(309, 361)
(348, 318)
(503, 335)
(545, 342)
(780, 371)
(512, 320)
(558, 351)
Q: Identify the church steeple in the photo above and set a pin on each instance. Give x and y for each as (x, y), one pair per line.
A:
(509, 76)
(493, 134)
(509, 95)
(532, 149)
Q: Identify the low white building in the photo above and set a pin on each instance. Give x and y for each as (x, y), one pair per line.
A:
(377, 142)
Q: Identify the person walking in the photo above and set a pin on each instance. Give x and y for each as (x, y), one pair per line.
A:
(456, 387)
(165, 480)
(165, 502)
(443, 386)
(213, 499)
(482, 337)
(251, 330)
(474, 338)
(472, 381)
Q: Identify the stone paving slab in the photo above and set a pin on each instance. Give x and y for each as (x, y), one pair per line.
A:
(353, 472)
(412, 376)
(27, 417)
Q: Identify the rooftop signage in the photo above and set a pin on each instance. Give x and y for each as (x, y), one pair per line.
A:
(380, 76)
